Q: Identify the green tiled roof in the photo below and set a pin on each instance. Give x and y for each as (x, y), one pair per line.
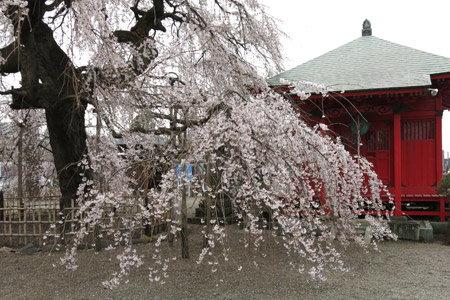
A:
(369, 63)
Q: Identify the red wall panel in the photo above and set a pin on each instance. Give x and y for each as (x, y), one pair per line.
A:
(418, 153)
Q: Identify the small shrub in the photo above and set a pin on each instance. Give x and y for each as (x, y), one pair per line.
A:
(444, 186)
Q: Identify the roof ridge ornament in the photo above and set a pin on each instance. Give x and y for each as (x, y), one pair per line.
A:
(367, 28)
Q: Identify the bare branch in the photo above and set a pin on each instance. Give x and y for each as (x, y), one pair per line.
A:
(45, 148)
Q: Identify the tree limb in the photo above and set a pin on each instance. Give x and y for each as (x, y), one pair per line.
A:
(53, 5)
(10, 54)
(38, 96)
(16, 92)
(173, 16)
(146, 20)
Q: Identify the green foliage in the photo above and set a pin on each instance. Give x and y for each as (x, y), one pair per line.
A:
(444, 186)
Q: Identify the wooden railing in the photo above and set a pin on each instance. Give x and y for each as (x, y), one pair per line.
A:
(37, 219)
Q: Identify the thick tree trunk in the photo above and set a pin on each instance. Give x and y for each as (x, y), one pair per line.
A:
(50, 81)
(68, 141)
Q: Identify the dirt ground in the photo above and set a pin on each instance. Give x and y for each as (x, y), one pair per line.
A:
(403, 270)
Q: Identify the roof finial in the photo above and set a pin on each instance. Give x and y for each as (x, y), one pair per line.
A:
(367, 28)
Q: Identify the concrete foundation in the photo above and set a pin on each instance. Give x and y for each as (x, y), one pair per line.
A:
(441, 227)
(412, 230)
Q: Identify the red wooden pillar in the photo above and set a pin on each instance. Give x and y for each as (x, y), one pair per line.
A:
(397, 165)
(438, 137)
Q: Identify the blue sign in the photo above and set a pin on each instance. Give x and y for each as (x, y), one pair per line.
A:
(178, 172)
(189, 172)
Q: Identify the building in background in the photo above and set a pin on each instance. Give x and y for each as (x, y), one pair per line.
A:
(386, 102)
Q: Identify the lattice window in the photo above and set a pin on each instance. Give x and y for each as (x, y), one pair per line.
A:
(418, 130)
(371, 141)
(350, 140)
(377, 140)
(383, 139)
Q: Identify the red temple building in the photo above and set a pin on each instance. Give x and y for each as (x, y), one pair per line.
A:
(386, 101)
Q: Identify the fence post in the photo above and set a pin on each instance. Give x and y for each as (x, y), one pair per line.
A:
(20, 173)
(1, 205)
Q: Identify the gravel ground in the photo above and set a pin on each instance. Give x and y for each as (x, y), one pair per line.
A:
(403, 270)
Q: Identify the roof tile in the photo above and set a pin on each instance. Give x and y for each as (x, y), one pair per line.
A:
(368, 63)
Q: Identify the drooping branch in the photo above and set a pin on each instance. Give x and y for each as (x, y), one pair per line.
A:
(188, 122)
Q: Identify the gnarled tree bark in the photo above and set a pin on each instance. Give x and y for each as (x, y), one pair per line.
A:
(49, 82)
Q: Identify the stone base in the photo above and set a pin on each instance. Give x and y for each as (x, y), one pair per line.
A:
(412, 230)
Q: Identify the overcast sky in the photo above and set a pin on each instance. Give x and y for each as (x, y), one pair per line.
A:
(315, 27)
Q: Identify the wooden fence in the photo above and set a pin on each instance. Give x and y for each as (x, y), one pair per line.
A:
(32, 219)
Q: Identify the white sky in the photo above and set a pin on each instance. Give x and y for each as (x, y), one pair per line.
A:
(315, 27)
